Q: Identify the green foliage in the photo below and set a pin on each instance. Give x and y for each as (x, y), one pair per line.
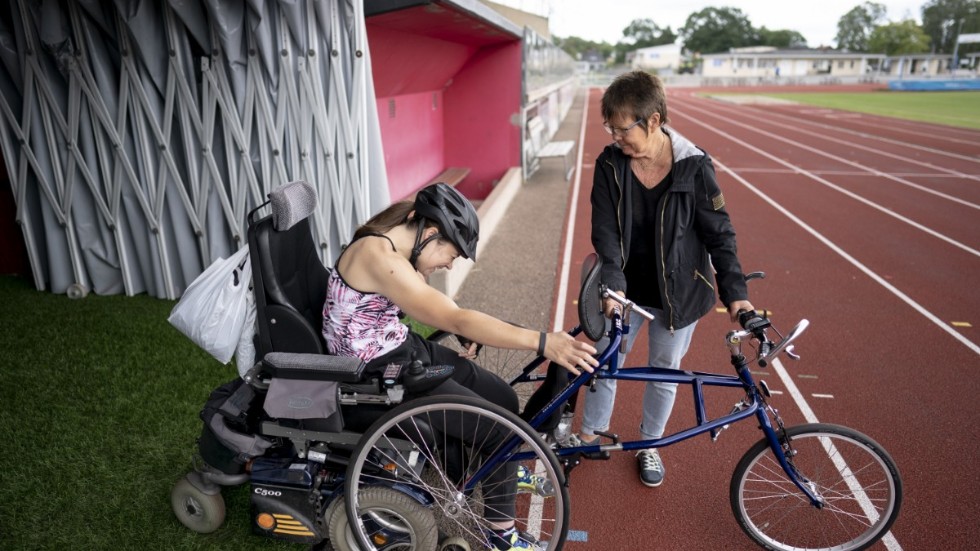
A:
(944, 20)
(959, 108)
(898, 38)
(855, 27)
(710, 30)
(643, 33)
(579, 47)
(713, 30)
(780, 38)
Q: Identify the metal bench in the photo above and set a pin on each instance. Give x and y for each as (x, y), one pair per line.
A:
(451, 176)
(559, 149)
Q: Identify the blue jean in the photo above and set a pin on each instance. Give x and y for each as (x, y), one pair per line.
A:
(666, 350)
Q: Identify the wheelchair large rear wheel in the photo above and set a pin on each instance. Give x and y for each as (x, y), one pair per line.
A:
(464, 456)
(854, 476)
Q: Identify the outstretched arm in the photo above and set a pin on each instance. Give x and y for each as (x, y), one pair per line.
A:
(393, 277)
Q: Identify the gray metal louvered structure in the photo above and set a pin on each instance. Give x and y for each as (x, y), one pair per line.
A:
(139, 133)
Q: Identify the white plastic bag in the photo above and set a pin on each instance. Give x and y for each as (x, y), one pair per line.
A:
(213, 309)
(245, 353)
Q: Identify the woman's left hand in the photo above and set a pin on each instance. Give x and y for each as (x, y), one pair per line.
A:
(737, 306)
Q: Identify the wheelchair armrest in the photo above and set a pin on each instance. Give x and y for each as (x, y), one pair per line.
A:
(314, 367)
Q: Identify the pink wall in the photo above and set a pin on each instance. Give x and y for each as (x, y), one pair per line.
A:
(413, 140)
(480, 105)
(453, 98)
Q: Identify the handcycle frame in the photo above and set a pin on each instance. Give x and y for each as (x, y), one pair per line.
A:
(754, 403)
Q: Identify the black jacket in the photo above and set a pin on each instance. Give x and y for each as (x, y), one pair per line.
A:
(694, 225)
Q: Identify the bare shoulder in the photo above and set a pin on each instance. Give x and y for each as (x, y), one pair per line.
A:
(370, 263)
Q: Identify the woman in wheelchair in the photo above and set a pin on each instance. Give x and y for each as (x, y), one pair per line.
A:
(383, 272)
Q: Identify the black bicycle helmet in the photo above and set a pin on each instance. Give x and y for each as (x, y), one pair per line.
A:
(454, 214)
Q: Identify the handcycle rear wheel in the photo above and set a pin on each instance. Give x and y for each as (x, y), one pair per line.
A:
(856, 478)
(438, 468)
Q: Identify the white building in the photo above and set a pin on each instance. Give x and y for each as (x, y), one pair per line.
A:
(768, 62)
(662, 59)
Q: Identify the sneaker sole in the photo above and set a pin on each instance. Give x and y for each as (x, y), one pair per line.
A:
(651, 484)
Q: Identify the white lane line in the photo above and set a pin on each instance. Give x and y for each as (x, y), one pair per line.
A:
(856, 145)
(835, 187)
(537, 502)
(969, 136)
(855, 262)
(566, 261)
(763, 170)
(889, 540)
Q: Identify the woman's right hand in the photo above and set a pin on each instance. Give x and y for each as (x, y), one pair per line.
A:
(610, 306)
(572, 354)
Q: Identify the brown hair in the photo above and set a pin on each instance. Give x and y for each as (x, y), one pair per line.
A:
(637, 95)
(395, 215)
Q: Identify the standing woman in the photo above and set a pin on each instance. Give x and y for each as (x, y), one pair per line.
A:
(383, 272)
(660, 227)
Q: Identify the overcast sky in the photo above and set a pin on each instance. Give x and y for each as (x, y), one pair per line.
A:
(604, 20)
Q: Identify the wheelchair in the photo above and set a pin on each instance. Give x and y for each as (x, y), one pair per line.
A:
(309, 432)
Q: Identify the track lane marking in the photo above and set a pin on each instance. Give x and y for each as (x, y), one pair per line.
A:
(855, 262)
(857, 165)
(831, 185)
(969, 136)
(855, 145)
(888, 539)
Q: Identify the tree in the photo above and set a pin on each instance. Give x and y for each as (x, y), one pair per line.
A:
(782, 38)
(944, 20)
(577, 47)
(713, 30)
(901, 38)
(855, 27)
(643, 33)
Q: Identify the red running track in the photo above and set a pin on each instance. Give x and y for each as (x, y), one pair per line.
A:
(868, 227)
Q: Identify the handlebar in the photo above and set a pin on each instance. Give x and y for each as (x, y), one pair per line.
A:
(755, 327)
(627, 304)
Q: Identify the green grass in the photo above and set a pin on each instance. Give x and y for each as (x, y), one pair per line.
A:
(949, 108)
(99, 413)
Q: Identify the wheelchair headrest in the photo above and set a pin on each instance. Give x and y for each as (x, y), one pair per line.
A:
(291, 203)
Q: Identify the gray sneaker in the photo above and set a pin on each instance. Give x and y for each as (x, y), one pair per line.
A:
(651, 467)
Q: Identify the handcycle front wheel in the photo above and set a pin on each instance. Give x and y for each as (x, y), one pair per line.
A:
(433, 447)
(855, 477)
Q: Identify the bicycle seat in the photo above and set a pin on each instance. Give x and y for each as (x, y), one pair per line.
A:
(590, 314)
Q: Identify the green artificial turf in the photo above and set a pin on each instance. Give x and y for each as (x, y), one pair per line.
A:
(953, 108)
(99, 406)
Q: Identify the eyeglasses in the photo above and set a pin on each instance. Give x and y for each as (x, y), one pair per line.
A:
(620, 132)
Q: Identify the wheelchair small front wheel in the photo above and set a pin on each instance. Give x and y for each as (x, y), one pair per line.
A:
(201, 512)
(852, 474)
(472, 460)
(401, 522)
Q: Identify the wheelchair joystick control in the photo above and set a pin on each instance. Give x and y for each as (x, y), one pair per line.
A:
(419, 378)
(416, 368)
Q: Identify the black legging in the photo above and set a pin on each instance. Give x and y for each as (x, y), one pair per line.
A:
(468, 379)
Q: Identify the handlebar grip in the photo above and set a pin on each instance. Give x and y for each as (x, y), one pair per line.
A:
(764, 349)
(746, 316)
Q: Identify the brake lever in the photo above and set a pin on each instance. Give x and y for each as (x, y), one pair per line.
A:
(792, 355)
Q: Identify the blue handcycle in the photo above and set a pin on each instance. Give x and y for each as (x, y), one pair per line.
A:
(812, 486)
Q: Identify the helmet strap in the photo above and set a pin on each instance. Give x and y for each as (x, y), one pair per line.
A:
(420, 244)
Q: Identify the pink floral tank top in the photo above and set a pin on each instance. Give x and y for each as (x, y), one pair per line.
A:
(357, 324)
